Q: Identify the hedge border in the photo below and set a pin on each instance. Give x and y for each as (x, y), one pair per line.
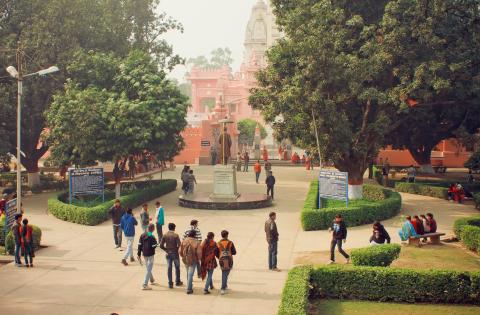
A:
(296, 292)
(381, 255)
(468, 231)
(99, 214)
(314, 219)
(422, 189)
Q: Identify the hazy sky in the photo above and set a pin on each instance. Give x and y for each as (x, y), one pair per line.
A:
(208, 24)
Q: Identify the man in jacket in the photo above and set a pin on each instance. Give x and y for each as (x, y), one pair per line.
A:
(116, 212)
(146, 245)
(170, 243)
(339, 236)
(198, 237)
(272, 240)
(191, 253)
(270, 181)
(17, 238)
(127, 224)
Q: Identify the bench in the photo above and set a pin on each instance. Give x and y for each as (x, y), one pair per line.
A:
(434, 238)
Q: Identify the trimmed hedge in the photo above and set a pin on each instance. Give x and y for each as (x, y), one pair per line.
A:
(296, 292)
(37, 238)
(381, 255)
(459, 224)
(98, 214)
(397, 285)
(387, 204)
(422, 189)
(470, 236)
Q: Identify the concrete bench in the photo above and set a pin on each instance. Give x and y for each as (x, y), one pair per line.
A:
(434, 238)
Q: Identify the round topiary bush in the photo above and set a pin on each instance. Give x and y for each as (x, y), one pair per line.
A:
(381, 255)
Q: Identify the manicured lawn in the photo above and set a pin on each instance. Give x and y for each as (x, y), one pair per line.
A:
(330, 203)
(445, 256)
(335, 307)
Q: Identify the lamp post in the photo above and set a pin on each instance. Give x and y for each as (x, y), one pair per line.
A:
(18, 74)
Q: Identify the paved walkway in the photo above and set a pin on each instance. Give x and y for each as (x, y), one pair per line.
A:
(80, 271)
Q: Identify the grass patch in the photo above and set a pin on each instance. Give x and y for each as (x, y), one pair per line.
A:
(335, 307)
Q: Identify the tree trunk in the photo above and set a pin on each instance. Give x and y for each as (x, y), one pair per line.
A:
(422, 156)
(117, 190)
(31, 165)
(355, 179)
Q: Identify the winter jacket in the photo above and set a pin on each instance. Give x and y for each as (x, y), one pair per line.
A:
(146, 245)
(270, 181)
(170, 243)
(16, 233)
(271, 230)
(339, 230)
(127, 224)
(116, 214)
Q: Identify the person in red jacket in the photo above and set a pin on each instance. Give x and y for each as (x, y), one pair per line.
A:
(26, 237)
(418, 225)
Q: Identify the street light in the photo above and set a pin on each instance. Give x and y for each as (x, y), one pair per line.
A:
(17, 74)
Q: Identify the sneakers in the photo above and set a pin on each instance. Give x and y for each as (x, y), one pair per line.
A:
(206, 292)
(179, 284)
(170, 285)
(124, 262)
(146, 288)
(331, 262)
(211, 287)
(223, 291)
(152, 282)
(276, 269)
(190, 292)
(348, 260)
(132, 259)
(18, 265)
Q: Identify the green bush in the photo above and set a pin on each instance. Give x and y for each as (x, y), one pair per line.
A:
(476, 199)
(377, 174)
(470, 236)
(422, 189)
(296, 292)
(379, 209)
(10, 243)
(397, 285)
(98, 214)
(459, 224)
(381, 255)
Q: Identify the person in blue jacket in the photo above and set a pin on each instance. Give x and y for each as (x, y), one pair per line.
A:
(407, 230)
(127, 224)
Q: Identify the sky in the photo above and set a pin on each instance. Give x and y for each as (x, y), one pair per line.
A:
(208, 24)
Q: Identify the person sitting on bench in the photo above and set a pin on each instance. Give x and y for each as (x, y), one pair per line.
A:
(407, 230)
(432, 223)
(418, 225)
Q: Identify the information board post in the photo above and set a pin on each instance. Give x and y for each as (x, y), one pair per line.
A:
(332, 185)
(10, 210)
(86, 181)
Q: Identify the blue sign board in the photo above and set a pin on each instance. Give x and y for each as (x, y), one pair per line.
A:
(10, 211)
(86, 181)
(333, 185)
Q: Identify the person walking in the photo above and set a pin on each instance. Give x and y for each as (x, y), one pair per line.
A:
(159, 219)
(116, 212)
(268, 167)
(339, 236)
(127, 224)
(270, 181)
(272, 240)
(26, 234)
(184, 177)
(208, 261)
(192, 181)
(146, 246)
(198, 237)
(17, 238)
(131, 167)
(170, 243)
(145, 217)
(191, 253)
(225, 253)
(238, 162)
(246, 160)
(258, 169)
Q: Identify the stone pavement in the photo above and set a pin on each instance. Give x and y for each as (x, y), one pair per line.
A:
(80, 271)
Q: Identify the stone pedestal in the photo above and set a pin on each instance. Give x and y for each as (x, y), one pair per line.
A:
(224, 182)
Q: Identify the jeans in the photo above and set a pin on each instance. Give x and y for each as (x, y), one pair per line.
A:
(245, 167)
(18, 247)
(129, 251)
(209, 282)
(336, 242)
(149, 265)
(257, 176)
(28, 253)
(270, 191)
(159, 232)
(173, 259)
(272, 254)
(117, 235)
(190, 273)
(225, 274)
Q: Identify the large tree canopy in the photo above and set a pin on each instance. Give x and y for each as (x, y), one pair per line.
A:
(51, 31)
(218, 58)
(246, 129)
(125, 106)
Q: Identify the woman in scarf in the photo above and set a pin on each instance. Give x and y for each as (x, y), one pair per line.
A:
(209, 262)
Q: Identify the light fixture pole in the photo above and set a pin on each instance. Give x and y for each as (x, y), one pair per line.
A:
(18, 74)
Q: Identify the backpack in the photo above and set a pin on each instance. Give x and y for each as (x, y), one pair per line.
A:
(225, 257)
(189, 254)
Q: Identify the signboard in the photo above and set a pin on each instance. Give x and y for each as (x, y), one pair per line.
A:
(205, 143)
(333, 185)
(10, 211)
(86, 181)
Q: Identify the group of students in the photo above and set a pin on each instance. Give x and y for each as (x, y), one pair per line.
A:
(456, 192)
(196, 254)
(23, 238)
(418, 225)
(188, 180)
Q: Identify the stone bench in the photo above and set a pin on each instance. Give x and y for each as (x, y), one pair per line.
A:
(434, 238)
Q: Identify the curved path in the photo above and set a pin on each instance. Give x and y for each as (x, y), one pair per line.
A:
(80, 271)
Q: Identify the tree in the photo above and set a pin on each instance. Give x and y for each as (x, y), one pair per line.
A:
(473, 162)
(328, 65)
(218, 58)
(51, 31)
(126, 107)
(246, 129)
(434, 51)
